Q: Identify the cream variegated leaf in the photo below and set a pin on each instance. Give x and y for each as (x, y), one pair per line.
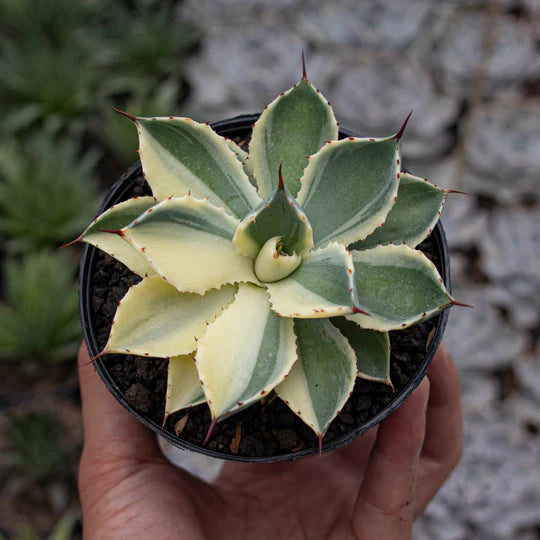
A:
(243, 158)
(413, 216)
(322, 286)
(183, 386)
(117, 217)
(349, 187)
(295, 125)
(322, 379)
(245, 353)
(398, 286)
(181, 156)
(154, 319)
(188, 243)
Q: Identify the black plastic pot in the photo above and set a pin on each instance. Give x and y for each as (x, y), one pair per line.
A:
(241, 126)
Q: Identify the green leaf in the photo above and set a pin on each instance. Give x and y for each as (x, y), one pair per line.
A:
(180, 156)
(372, 350)
(413, 216)
(322, 286)
(188, 243)
(245, 353)
(115, 218)
(398, 286)
(322, 380)
(278, 215)
(295, 125)
(243, 158)
(183, 386)
(154, 319)
(349, 187)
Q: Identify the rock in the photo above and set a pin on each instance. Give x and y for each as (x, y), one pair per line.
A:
(480, 338)
(458, 57)
(375, 97)
(376, 24)
(489, 495)
(465, 223)
(502, 158)
(242, 72)
(510, 258)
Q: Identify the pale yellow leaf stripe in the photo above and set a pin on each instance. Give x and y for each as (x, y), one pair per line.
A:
(154, 319)
(245, 352)
(183, 386)
(188, 243)
(180, 156)
(322, 379)
(116, 217)
(322, 286)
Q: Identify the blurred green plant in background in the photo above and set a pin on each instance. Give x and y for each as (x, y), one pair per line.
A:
(48, 188)
(63, 530)
(63, 65)
(35, 445)
(39, 322)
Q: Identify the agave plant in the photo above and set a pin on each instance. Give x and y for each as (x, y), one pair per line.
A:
(248, 284)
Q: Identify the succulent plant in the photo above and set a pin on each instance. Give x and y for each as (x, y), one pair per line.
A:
(248, 284)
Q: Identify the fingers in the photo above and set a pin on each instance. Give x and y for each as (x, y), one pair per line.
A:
(109, 430)
(385, 504)
(443, 442)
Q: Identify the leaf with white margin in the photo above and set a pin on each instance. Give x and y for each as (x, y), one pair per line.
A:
(116, 217)
(349, 187)
(295, 125)
(372, 350)
(278, 215)
(322, 286)
(245, 353)
(398, 286)
(243, 158)
(154, 319)
(183, 385)
(322, 379)
(413, 216)
(188, 242)
(179, 156)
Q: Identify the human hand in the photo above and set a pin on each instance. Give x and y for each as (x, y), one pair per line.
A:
(372, 488)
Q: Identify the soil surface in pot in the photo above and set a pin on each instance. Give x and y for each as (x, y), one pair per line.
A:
(267, 428)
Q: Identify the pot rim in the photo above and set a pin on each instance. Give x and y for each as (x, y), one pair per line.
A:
(231, 127)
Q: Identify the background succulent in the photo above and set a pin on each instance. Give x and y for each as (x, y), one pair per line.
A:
(248, 290)
(33, 334)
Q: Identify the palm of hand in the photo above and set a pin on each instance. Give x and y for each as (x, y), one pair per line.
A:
(371, 488)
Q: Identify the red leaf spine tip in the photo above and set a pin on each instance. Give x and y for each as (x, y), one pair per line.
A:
(320, 437)
(98, 355)
(304, 73)
(78, 239)
(166, 415)
(456, 303)
(209, 432)
(119, 232)
(131, 117)
(281, 185)
(399, 134)
(389, 383)
(447, 191)
(356, 309)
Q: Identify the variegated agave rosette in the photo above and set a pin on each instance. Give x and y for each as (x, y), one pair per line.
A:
(248, 284)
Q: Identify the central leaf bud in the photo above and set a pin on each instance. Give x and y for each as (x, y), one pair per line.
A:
(272, 264)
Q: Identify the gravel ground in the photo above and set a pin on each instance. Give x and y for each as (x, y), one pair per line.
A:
(470, 69)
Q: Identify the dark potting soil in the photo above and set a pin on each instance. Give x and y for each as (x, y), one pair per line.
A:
(266, 428)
